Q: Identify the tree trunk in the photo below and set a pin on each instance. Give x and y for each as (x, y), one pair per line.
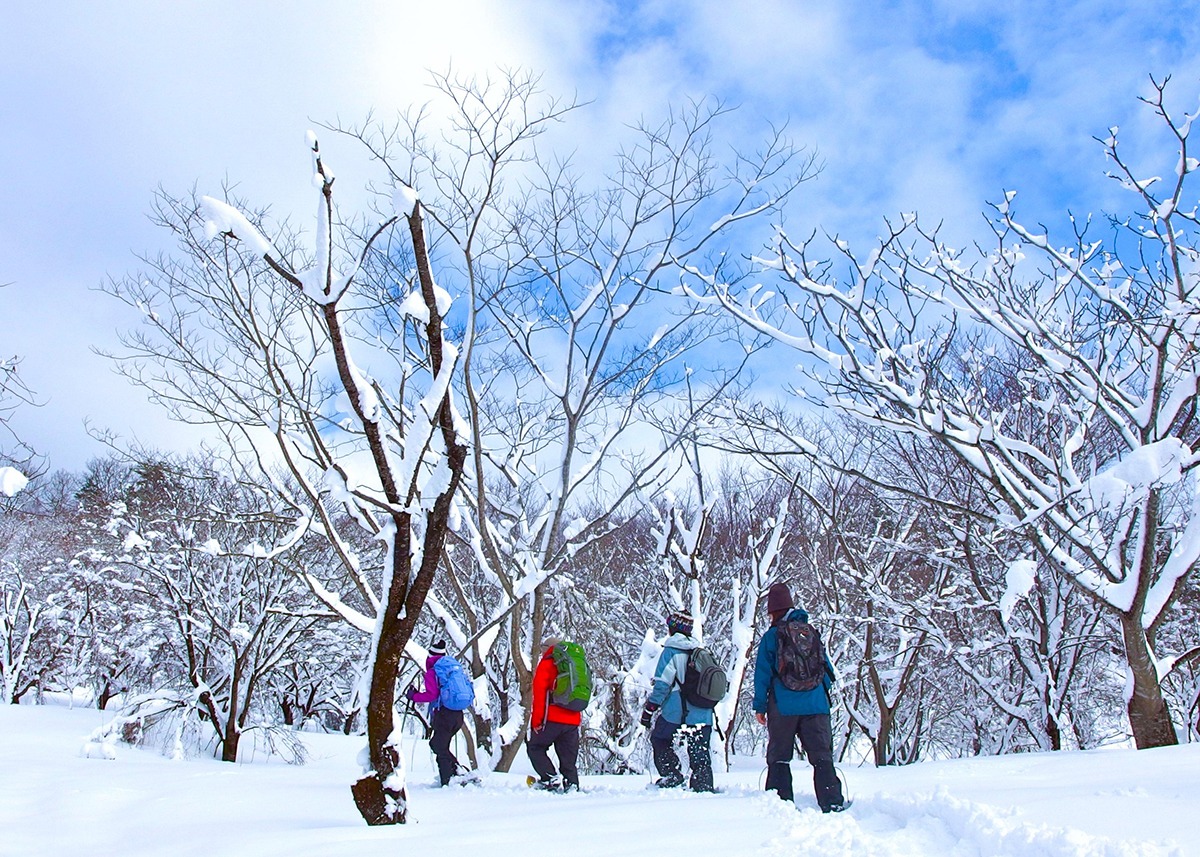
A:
(508, 753)
(378, 801)
(289, 717)
(229, 746)
(1053, 732)
(106, 694)
(883, 740)
(1149, 719)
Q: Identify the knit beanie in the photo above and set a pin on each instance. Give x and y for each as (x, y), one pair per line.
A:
(680, 622)
(438, 648)
(779, 599)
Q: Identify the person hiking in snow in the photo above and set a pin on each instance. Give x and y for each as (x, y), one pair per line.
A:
(666, 699)
(444, 722)
(789, 713)
(552, 725)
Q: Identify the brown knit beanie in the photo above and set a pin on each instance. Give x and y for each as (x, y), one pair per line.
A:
(779, 599)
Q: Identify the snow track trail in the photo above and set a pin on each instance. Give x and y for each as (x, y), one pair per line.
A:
(939, 824)
(56, 801)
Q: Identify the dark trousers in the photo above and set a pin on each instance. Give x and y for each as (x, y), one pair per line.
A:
(564, 738)
(666, 760)
(816, 738)
(445, 724)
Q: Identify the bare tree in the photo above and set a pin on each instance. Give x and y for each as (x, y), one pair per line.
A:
(1089, 434)
(581, 381)
(278, 349)
(197, 549)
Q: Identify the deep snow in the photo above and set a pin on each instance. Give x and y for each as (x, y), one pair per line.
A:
(54, 800)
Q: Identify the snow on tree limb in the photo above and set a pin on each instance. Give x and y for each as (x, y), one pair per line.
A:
(12, 481)
(223, 218)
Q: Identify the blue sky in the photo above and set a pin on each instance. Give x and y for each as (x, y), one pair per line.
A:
(928, 105)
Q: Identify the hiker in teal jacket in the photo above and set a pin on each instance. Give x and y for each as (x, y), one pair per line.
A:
(666, 699)
(789, 714)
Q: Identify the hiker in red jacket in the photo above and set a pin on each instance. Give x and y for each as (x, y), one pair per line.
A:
(552, 725)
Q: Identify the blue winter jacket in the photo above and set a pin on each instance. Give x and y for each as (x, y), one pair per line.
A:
(668, 682)
(767, 684)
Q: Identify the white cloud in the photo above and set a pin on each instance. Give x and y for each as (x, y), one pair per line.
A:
(935, 105)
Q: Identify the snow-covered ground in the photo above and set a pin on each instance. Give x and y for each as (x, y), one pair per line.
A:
(54, 800)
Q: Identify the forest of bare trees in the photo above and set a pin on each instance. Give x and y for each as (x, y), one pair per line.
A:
(518, 401)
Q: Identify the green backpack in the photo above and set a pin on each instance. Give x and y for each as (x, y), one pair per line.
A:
(573, 687)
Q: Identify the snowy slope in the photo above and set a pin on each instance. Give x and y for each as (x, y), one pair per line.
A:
(56, 801)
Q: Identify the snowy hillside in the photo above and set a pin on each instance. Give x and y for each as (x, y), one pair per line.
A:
(56, 801)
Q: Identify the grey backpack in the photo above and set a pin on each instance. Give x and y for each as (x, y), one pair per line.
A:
(800, 659)
(705, 683)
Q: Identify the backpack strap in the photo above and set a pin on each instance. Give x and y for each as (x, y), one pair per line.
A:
(681, 680)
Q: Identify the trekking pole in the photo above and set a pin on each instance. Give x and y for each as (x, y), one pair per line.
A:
(847, 799)
(404, 716)
(639, 732)
(408, 707)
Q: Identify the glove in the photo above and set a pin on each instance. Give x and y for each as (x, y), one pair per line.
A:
(648, 713)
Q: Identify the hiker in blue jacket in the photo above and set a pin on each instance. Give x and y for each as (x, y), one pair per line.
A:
(789, 714)
(674, 715)
(444, 722)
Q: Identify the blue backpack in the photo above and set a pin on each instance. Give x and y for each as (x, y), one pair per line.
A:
(455, 691)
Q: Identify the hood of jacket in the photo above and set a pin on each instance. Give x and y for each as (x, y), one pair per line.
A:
(681, 641)
(795, 613)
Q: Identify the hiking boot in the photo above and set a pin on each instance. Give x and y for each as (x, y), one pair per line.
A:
(670, 781)
(833, 807)
(567, 788)
(554, 784)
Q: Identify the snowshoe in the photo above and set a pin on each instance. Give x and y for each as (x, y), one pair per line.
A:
(468, 779)
(554, 784)
(670, 781)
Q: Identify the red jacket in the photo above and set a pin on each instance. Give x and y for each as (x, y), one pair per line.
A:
(544, 710)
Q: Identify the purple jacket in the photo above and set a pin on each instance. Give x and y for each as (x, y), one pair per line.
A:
(430, 693)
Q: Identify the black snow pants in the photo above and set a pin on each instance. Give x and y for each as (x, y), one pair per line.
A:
(564, 737)
(816, 739)
(445, 724)
(666, 761)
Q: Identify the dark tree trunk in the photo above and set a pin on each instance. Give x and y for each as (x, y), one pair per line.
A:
(229, 747)
(106, 693)
(289, 716)
(380, 799)
(382, 802)
(1149, 719)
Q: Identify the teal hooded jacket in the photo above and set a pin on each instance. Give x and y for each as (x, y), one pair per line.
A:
(768, 686)
(668, 683)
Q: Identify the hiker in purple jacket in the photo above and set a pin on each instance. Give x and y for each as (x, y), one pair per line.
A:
(444, 722)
